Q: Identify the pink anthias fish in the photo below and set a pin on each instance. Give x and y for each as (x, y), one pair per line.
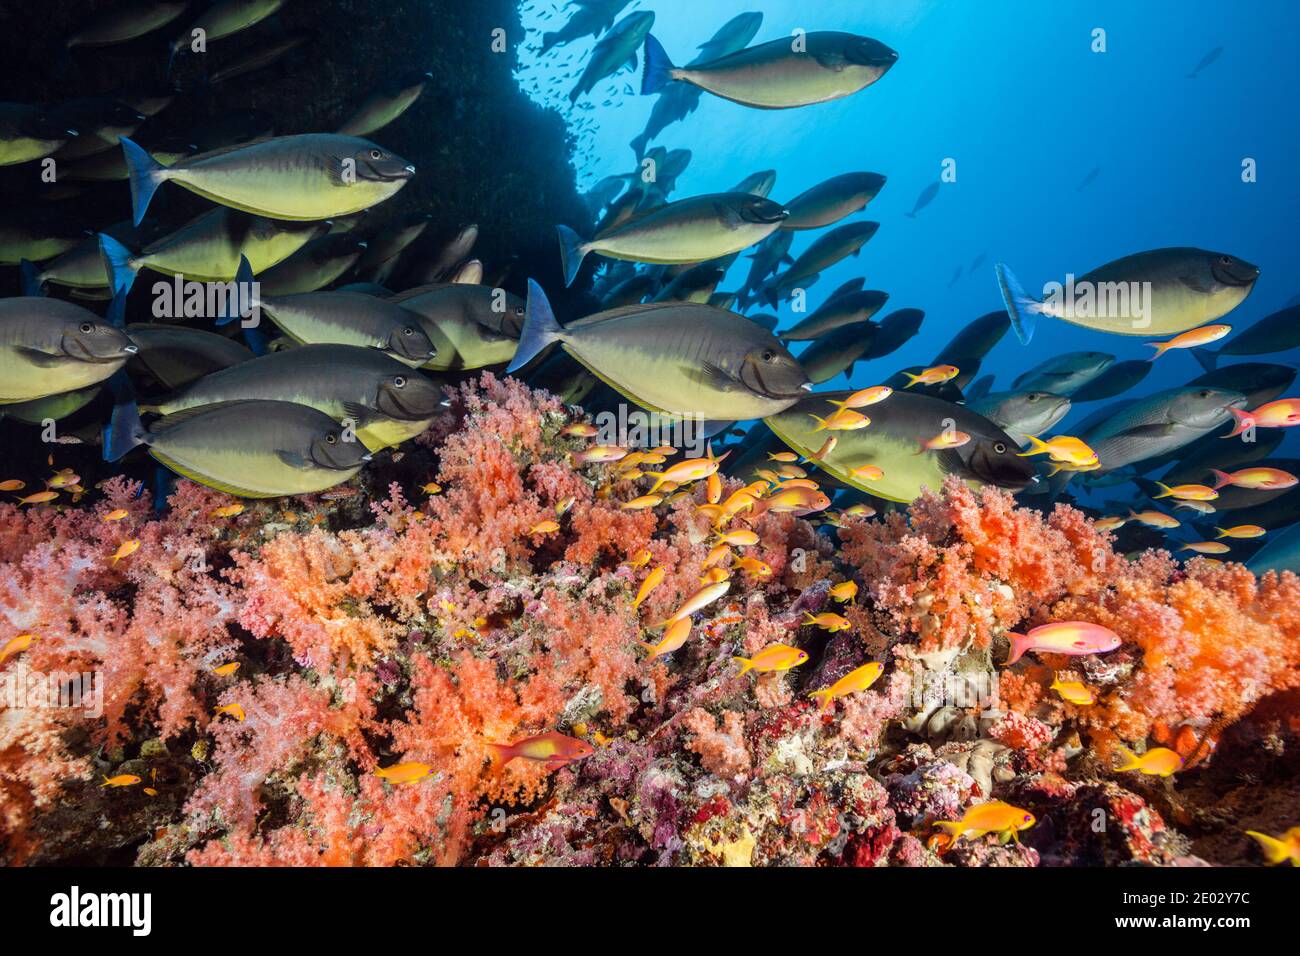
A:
(1074, 638)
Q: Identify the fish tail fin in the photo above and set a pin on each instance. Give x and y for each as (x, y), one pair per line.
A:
(821, 422)
(255, 340)
(1209, 358)
(1019, 644)
(659, 476)
(639, 143)
(1165, 490)
(1161, 348)
(125, 430)
(502, 754)
(242, 295)
(31, 278)
(572, 251)
(1244, 420)
(823, 697)
(1131, 761)
(117, 258)
(950, 827)
(1274, 849)
(541, 328)
(1222, 533)
(658, 71)
(1221, 478)
(146, 175)
(1036, 447)
(746, 665)
(911, 379)
(1022, 308)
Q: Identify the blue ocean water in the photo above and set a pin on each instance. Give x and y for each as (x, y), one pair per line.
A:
(1024, 99)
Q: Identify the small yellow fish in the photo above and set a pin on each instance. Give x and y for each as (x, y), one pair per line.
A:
(405, 773)
(1279, 849)
(1187, 492)
(1075, 692)
(16, 645)
(1190, 340)
(1242, 531)
(599, 453)
(713, 489)
(827, 621)
(12, 484)
(785, 457)
(692, 469)
(854, 681)
(1064, 448)
(642, 502)
(739, 538)
(674, 637)
(790, 471)
(544, 527)
(126, 549)
(640, 559)
(150, 792)
(117, 514)
(868, 472)
(1206, 547)
(769, 476)
(121, 780)
(859, 511)
(230, 710)
(1110, 523)
(652, 581)
(844, 591)
(225, 670)
(714, 575)
(431, 488)
(757, 568)
(40, 498)
(774, 657)
(933, 376)
(64, 479)
(866, 396)
(827, 447)
(844, 420)
(228, 511)
(562, 507)
(1157, 762)
(948, 438)
(995, 816)
(717, 554)
(579, 430)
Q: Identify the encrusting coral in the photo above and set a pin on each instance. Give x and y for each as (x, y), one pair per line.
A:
(404, 623)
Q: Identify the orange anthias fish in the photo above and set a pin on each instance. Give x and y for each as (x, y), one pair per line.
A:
(642, 502)
(844, 420)
(854, 681)
(1242, 531)
(1110, 523)
(1064, 448)
(1154, 519)
(1187, 492)
(784, 457)
(40, 498)
(700, 599)
(692, 469)
(759, 569)
(126, 549)
(230, 710)
(868, 472)
(405, 773)
(1073, 691)
(827, 621)
(948, 438)
(827, 447)
(1157, 762)
(995, 816)
(674, 637)
(121, 780)
(1282, 413)
(579, 430)
(16, 645)
(774, 657)
(1190, 340)
(1075, 638)
(1206, 547)
(599, 453)
(1279, 849)
(652, 581)
(544, 527)
(117, 514)
(795, 501)
(553, 750)
(866, 396)
(1262, 478)
(933, 376)
(714, 575)
(844, 591)
(740, 538)
(12, 484)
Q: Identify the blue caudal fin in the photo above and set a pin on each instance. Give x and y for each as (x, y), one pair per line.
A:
(658, 71)
(124, 430)
(572, 252)
(117, 258)
(541, 328)
(639, 143)
(1022, 308)
(145, 174)
(242, 294)
(30, 278)
(1209, 358)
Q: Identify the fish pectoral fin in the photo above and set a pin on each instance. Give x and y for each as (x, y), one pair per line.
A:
(361, 414)
(831, 61)
(711, 376)
(291, 458)
(38, 358)
(1196, 284)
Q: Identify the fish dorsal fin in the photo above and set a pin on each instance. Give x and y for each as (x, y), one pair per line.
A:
(406, 294)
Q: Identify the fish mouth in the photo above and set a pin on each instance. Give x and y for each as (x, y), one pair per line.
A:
(1234, 272)
(391, 175)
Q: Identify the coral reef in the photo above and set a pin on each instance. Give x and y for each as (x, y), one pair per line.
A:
(395, 622)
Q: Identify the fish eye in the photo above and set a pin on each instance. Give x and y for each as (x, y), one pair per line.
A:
(1226, 260)
(330, 438)
(376, 154)
(999, 448)
(87, 327)
(768, 355)
(399, 381)
(1205, 393)
(408, 331)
